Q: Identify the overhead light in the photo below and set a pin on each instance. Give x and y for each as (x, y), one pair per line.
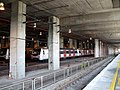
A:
(69, 31)
(68, 41)
(90, 38)
(32, 39)
(40, 33)
(34, 25)
(2, 6)
(3, 37)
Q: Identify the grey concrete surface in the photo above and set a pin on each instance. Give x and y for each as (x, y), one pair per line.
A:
(103, 80)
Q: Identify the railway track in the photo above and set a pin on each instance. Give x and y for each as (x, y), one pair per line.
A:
(47, 80)
(31, 66)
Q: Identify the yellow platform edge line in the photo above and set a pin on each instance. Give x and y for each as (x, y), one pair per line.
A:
(113, 84)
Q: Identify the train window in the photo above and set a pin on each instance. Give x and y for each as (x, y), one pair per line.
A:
(36, 51)
(43, 52)
(67, 51)
(79, 52)
(30, 52)
(61, 52)
(71, 51)
(3, 51)
(75, 51)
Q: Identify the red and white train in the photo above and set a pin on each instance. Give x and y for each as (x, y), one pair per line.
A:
(42, 54)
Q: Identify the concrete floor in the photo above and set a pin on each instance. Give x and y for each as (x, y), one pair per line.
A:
(104, 79)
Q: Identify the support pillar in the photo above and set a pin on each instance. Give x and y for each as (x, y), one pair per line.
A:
(75, 44)
(17, 40)
(101, 49)
(110, 50)
(81, 45)
(102, 52)
(84, 44)
(61, 42)
(53, 43)
(96, 48)
(105, 49)
(70, 43)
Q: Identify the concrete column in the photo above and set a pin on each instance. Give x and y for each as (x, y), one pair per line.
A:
(88, 44)
(38, 43)
(17, 40)
(70, 43)
(75, 44)
(110, 50)
(85, 44)
(105, 48)
(96, 48)
(103, 54)
(100, 51)
(61, 42)
(81, 45)
(53, 43)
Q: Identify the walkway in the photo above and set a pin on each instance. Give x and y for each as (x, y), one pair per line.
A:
(105, 78)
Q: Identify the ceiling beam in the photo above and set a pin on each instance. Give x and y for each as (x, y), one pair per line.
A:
(51, 8)
(97, 17)
(108, 27)
(116, 3)
(113, 42)
(92, 23)
(42, 2)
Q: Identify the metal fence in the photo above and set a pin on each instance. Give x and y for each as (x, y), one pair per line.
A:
(38, 83)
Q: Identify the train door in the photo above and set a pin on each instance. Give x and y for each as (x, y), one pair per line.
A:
(61, 53)
(78, 53)
(7, 54)
(64, 53)
(67, 53)
(45, 53)
(72, 53)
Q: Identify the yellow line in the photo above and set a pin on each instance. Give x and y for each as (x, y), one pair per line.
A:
(113, 84)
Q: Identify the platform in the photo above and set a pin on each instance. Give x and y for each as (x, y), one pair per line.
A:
(105, 78)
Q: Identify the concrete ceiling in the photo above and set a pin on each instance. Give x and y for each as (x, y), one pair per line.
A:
(87, 18)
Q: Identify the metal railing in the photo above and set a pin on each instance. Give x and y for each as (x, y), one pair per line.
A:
(38, 83)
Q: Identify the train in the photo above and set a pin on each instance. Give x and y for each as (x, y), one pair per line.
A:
(4, 54)
(42, 53)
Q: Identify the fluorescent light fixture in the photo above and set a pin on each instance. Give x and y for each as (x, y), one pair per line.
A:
(32, 39)
(3, 37)
(40, 33)
(90, 38)
(69, 31)
(2, 6)
(34, 25)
